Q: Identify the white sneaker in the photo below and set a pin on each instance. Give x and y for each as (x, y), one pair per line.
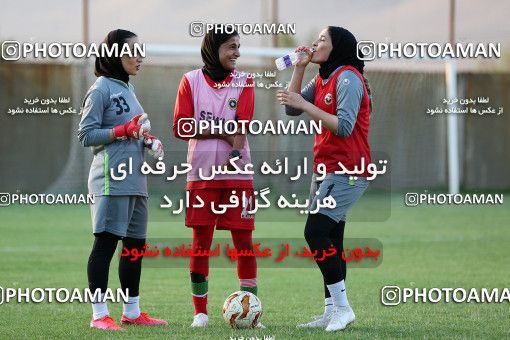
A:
(260, 325)
(340, 318)
(200, 320)
(319, 321)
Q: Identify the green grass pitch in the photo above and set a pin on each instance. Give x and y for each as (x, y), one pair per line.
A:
(426, 246)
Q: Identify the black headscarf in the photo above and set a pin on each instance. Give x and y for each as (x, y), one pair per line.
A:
(112, 66)
(344, 52)
(210, 53)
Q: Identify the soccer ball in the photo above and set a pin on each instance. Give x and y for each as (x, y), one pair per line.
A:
(242, 310)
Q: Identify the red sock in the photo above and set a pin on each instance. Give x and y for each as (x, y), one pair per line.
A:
(199, 268)
(246, 266)
(200, 304)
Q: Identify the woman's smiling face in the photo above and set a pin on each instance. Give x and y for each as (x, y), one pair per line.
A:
(229, 52)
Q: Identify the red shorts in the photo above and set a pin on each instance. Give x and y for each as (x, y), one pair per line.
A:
(233, 217)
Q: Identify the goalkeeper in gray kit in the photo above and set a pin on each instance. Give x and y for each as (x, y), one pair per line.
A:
(115, 126)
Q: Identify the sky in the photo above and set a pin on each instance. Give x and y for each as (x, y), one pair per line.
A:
(164, 21)
(167, 22)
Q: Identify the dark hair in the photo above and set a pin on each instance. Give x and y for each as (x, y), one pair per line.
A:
(111, 66)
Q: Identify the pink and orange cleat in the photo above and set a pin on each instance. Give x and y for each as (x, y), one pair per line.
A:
(106, 323)
(143, 319)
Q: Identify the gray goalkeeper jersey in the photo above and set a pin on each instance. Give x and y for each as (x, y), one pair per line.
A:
(108, 103)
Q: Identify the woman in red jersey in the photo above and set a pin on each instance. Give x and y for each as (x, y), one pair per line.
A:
(339, 98)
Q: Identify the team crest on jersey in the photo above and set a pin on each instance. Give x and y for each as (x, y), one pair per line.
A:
(232, 103)
(328, 98)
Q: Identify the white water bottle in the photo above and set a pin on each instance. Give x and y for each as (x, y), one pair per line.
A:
(286, 61)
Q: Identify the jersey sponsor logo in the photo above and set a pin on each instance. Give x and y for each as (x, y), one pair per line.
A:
(115, 95)
(209, 116)
(328, 98)
(232, 103)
